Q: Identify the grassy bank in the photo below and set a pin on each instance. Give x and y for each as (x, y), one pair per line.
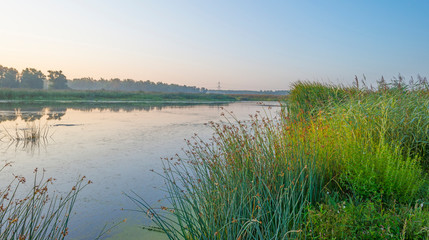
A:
(75, 95)
(58, 95)
(336, 163)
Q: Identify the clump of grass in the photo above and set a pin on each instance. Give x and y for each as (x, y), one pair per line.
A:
(31, 133)
(251, 182)
(29, 138)
(40, 214)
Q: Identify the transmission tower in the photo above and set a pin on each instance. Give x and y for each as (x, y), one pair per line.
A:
(218, 86)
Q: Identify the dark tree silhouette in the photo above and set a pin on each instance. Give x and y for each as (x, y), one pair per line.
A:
(57, 80)
(32, 78)
(8, 77)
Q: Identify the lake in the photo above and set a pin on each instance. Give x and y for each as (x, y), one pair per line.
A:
(114, 147)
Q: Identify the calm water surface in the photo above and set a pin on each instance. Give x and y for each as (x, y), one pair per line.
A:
(115, 148)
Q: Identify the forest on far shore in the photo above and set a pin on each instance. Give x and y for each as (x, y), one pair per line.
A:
(31, 78)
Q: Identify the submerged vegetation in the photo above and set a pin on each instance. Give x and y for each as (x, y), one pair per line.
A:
(336, 163)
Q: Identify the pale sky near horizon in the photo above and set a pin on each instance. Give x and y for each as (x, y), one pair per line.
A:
(254, 45)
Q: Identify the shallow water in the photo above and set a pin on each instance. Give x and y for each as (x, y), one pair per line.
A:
(115, 148)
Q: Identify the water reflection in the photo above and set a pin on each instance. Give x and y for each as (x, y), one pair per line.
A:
(30, 147)
(19, 121)
(30, 112)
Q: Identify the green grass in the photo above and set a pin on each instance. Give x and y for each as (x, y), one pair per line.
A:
(69, 95)
(397, 116)
(308, 97)
(368, 220)
(100, 95)
(284, 176)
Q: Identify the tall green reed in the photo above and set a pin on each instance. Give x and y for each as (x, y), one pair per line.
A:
(250, 182)
(378, 139)
(308, 97)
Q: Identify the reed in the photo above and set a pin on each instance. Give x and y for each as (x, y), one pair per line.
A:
(253, 181)
(308, 97)
(40, 214)
(31, 133)
(398, 115)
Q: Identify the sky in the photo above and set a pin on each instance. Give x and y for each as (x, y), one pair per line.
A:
(243, 44)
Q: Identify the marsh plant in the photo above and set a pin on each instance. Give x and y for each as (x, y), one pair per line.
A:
(337, 162)
(39, 214)
(245, 184)
(30, 137)
(32, 132)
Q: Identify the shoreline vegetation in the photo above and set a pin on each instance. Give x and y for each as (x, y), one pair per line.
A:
(9, 95)
(337, 163)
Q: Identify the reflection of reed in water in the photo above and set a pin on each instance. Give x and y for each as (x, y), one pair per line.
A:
(56, 110)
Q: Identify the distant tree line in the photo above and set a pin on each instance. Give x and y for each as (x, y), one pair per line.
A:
(34, 79)
(116, 84)
(31, 78)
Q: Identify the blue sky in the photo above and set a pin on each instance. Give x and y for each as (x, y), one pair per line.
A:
(243, 44)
